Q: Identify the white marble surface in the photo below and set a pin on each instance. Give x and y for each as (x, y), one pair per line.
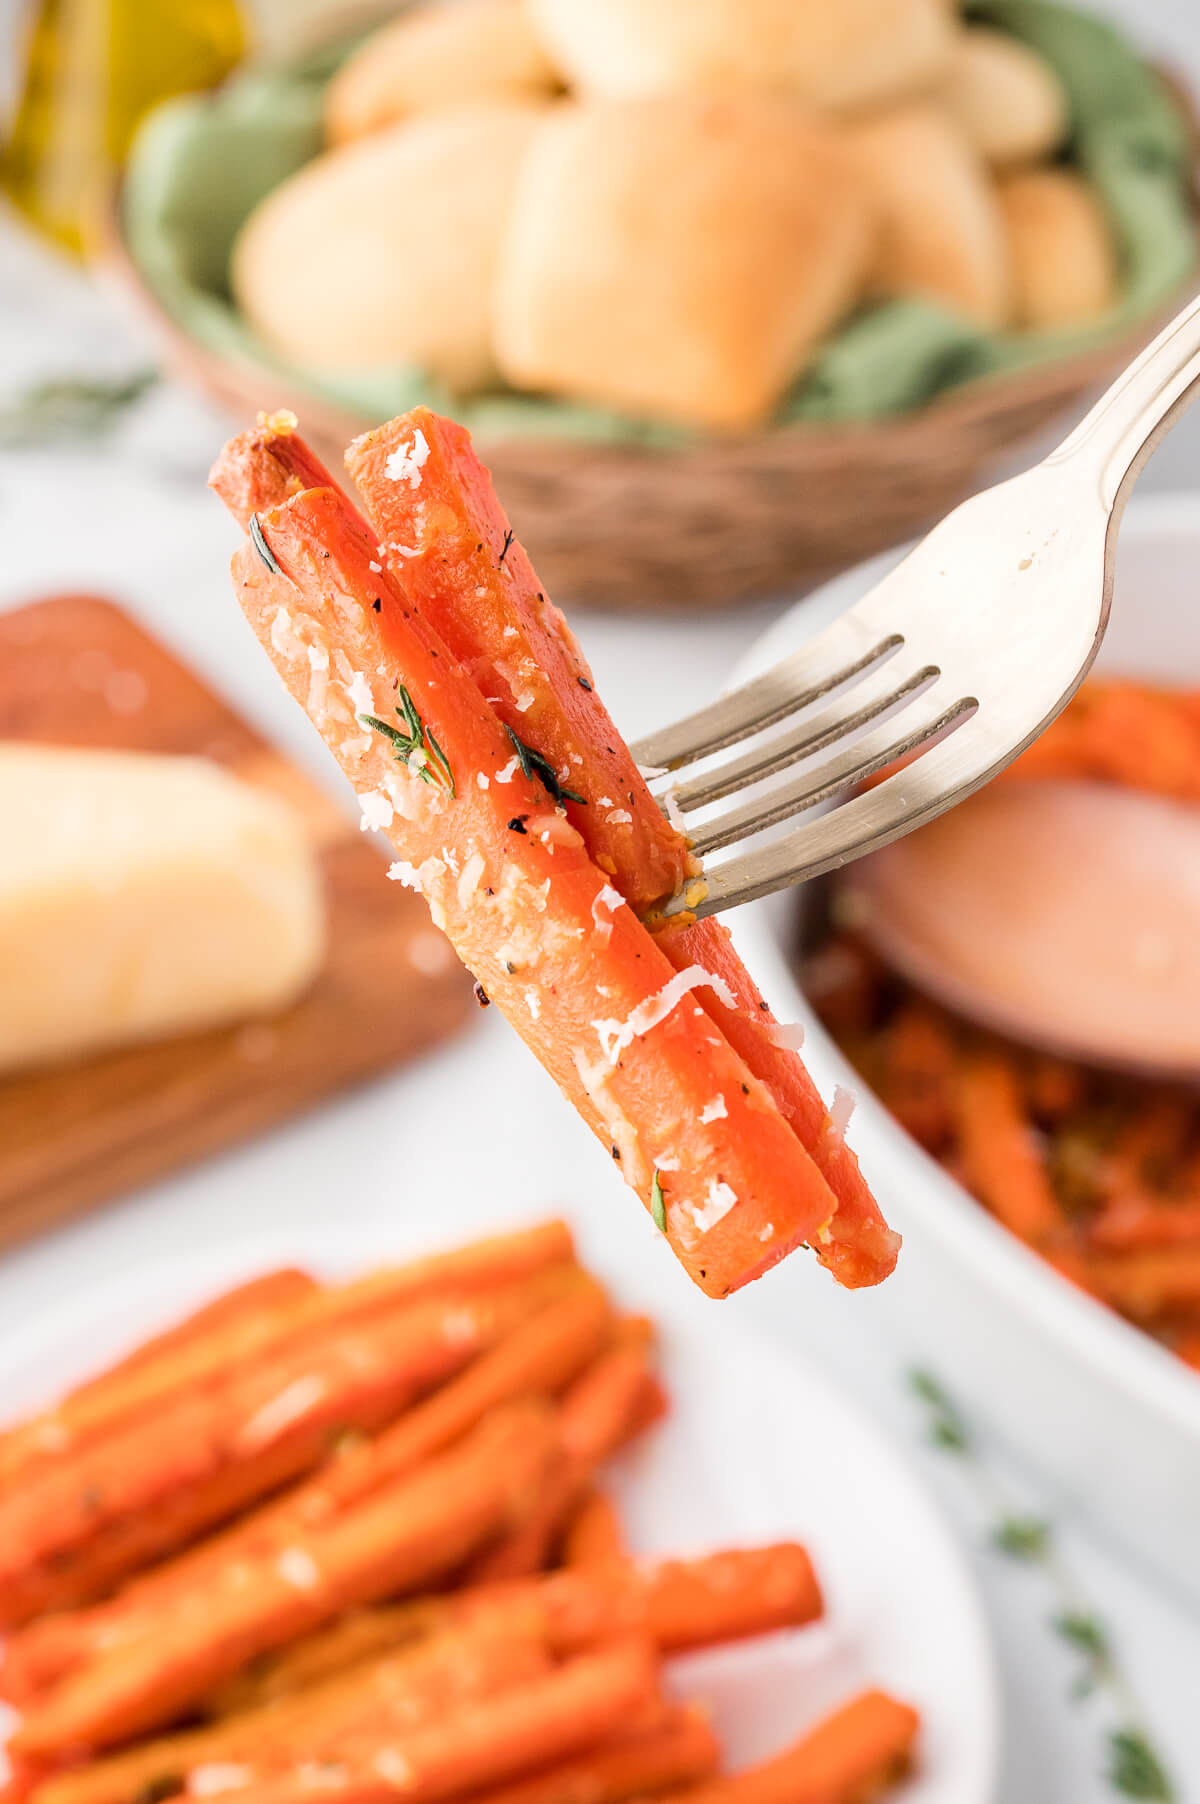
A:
(132, 518)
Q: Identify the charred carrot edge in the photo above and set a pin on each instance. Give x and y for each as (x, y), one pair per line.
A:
(131, 1390)
(405, 1536)
(852, 1755)
(571, 966)
(226, 1446)
(536, 1358)
(495, 1739)
(678, 1752)
(1000, 1159)
(426, 491)
(595, 1534)
(415, 1686)
(475, 583)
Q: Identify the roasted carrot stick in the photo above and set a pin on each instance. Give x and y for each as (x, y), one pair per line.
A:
(402, 1691)
(850, 1757)
(1121, 732)
(131, 1390)
(527, 910)
(426, 492)
(595, 1534)
(409, 1534)
(677, 1752)
(446, 538)
(1000, 1159)
(537, 1358)
(495, 1739)
(274, 1420)
(1147, 1284)
(677, 1604)
(349, 1641)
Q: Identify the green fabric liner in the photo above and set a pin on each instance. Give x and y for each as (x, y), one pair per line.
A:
(200, 164)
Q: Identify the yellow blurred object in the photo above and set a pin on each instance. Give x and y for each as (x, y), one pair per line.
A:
(93, 68)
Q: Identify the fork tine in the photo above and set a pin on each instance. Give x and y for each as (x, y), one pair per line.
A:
(847, 649)
(895, 682)
(924, 789)
(863, 759)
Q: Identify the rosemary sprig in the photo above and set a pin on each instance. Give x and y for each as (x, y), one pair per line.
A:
(658, 1206)
(534, 765)
(1134, 1768)
(415, 745)
(64, 407)
(1022, 1537)
(259, 541)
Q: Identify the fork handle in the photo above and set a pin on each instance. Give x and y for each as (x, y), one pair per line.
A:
(1128, 421)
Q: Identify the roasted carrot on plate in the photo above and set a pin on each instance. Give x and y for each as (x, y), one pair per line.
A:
(456, 701)
(443, 1609)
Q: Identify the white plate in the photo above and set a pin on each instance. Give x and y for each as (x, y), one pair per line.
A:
(1110, 1415)
(756, 1448)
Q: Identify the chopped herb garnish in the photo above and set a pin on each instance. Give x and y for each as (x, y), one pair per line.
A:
(1082, 1631)
(508, 539)
(415, 746)
(658, 1207)
(1022, 1537)
(517, 823)
(534, 765)
(263, 549)
(1136, 1771)
(946, 1427)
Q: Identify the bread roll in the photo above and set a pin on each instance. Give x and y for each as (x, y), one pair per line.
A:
(434, 57)
(830, 53)
(142, 896)
(383, 252)
(678, 256)
(1063, 257)
(942, 236)
(1007, 98)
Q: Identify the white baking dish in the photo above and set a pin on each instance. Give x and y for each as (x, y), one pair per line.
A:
(1109, 1414)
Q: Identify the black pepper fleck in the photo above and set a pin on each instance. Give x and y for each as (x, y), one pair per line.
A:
(584, 684)
(517, 823)
(616, 1153)
(377, 605)
(482, 997)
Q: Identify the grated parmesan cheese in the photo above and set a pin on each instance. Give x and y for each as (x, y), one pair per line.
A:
(615, 1036)
(407, 461)
(216, 1776)
(403, 872)
(377, 568)
(714, 1110)
(482, 779)
(510, 770)
(377, 812)
(296, 1567)
(841, 1109)
(294, 1401)
(619, 817)
(715, 1207)
(532, 1003)
(787, 1034)
(393, 1767)
(468, 883)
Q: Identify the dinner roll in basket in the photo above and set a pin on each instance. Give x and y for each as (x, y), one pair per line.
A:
(678, 256)
(942, 236)
(382, 252)
(1006, 97)
(829, 53)
(438, 56)
(1064, 260)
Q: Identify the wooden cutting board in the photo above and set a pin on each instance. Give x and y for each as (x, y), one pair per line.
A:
(76, 670)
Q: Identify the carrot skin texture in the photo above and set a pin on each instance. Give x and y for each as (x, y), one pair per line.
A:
(473, 581)
(563, 945)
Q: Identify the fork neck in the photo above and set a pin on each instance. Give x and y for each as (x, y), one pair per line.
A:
(1117, 437)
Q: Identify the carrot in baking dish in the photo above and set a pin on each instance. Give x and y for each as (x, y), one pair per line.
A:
(508, 878)
(446, 538)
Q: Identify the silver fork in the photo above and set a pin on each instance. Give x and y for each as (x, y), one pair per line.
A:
(956, 661)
